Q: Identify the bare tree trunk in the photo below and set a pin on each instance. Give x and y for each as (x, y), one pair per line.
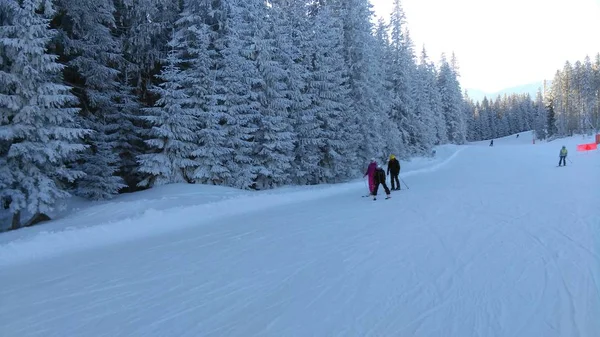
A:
(16, 221)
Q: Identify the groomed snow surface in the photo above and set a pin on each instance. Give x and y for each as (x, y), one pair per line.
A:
(488, 241)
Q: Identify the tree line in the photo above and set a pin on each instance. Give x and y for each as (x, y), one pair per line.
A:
(100, 97)
(568, 104)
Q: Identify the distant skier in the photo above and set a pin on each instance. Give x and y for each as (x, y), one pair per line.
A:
(371, 173)
(492, 143)
(563, 156)
(517, 135)
(380, 179)
(393, 169)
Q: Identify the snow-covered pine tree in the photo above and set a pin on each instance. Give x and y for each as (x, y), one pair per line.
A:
(596, 86)
(435, 97)
(291, 37)
(381, 103)
(559, 103)
(587, 95)
(37, 122)
(144, 28)
(482, 120)
(274, 139)
(240, 82)
(294, 32)
(452, 102)
(198, 39)
(513, 114)
(488, 119)
(478, 123)
(204, 25)
(130, 132)
(424, 125)
(568, 93)
(381, 68)
(175, 125)
(527, 111)
(328, 90)
(402, 78)
(363, 121)
(508, 114)
(577, 86)
(531, 114)
(470, 111)
(551, 123)
(93, 56)
(541, 117)
(382, 36)
(574, 96)
(499, 111)
(6, 103)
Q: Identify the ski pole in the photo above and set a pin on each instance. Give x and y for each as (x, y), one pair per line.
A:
(404, 182)
(569, 160)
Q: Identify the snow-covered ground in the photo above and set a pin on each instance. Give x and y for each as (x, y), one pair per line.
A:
(86, 224)
(487, 242)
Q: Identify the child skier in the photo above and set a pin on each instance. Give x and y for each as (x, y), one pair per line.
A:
(563, 156)
(380, 179)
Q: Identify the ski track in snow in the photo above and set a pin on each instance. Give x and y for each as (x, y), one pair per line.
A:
(492, 242)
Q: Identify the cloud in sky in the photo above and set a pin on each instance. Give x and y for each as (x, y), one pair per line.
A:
(506, 43)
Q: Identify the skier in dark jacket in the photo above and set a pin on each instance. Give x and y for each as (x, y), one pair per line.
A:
(379, 178)
(393, 170)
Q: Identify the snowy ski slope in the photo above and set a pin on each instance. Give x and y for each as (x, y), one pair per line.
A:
(487, 242)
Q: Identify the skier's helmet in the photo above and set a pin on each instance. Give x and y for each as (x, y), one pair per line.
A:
(373, 160)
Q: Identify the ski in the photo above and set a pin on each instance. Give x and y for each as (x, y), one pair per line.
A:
(386, 198)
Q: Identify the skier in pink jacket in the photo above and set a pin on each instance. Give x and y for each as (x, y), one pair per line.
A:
(371, 173)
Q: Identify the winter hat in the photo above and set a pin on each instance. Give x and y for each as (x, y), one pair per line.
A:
(373, 160)
(392, 156)
(378, 166)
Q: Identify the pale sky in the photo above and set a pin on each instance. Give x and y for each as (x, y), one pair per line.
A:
(503, 43)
